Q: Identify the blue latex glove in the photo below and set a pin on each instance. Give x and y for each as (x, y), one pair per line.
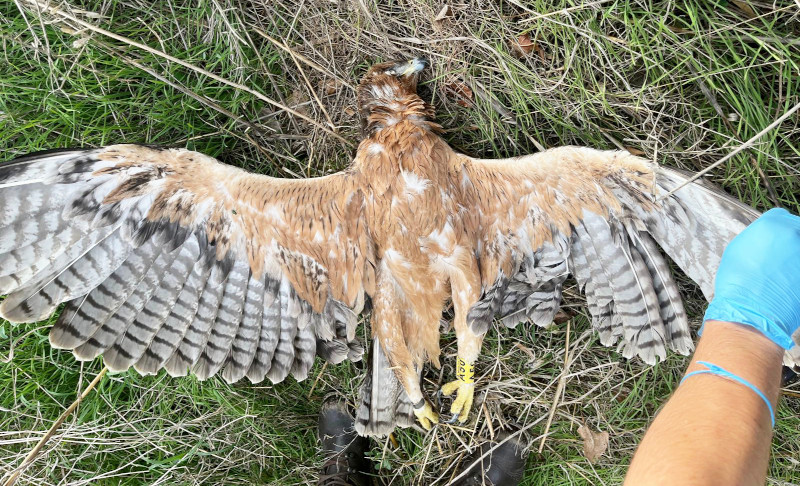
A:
(758, 281)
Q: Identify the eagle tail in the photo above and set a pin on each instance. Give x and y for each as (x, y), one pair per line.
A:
(384, 402)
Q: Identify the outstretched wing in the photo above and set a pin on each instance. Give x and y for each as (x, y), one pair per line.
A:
(169, 259)
(600, 216)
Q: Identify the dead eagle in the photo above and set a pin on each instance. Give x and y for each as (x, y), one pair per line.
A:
(168, 259)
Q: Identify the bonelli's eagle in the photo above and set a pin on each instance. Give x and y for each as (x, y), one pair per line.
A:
(169, 259)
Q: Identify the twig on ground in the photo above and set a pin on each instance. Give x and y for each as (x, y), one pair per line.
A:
(741, 147)
(39, 445)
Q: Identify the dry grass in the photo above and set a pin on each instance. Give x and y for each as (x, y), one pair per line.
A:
(682, 82)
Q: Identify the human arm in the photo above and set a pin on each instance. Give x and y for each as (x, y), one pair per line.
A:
(714, 430)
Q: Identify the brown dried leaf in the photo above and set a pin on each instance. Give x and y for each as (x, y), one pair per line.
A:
(445, 12)
(330, 86)
(635, 151)
(526, 350)
(745, 8)
(541, 52)
(561, 317)
(523, 46)
(459, 91)
(594, 443)
(525, 43)
(298, 100)
(678, 30)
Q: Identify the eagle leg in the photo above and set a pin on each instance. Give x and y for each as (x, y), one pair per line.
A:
(387, 327)
(469, 347)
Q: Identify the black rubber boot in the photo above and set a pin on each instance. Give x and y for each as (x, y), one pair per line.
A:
(345, 463)
(788, 376)
(504, 466)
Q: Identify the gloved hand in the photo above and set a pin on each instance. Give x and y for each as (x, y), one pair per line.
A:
(758, 281)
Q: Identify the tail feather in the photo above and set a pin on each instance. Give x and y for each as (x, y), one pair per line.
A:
(384, 403)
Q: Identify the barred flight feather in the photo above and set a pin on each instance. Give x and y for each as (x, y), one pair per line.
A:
(117, 325)
(194, 341)
(131, 345)
(283, 357)
(245, 344)
(270, 333)
(171, 334)
(384, 404)
(229, 315)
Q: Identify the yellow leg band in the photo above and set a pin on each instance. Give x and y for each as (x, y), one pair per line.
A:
(465, 371)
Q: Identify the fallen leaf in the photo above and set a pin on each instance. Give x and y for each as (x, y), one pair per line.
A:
(330, 86)
(617, 40)
(561, 317)
(78, 43)
(594, 443)
(540, 52)
(678, 30)
(445, 12)
(526, 350)
(523, 46)
(635, 151)
(444, 17)
(460, 92)
(297, 101)
(745, 8)
(525, 43)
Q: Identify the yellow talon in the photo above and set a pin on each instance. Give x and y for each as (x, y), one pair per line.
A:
(465, 386)
(426, 416)
(464, 397)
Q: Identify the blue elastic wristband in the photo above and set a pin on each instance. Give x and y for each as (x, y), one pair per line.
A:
(716, 370)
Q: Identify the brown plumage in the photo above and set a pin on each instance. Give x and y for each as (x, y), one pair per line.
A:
(168, 259)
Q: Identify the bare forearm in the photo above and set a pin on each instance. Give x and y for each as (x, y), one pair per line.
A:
(713, 430)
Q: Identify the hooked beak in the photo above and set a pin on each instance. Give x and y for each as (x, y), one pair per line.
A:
(410, 67)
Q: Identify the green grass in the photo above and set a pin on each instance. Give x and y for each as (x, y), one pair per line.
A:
(636, 74)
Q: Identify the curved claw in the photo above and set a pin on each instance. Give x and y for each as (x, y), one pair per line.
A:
(426, 416)
(439, 401)
(453, 419)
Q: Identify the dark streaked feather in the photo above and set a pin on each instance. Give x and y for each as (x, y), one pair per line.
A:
(284, 353)
(116, 325)
(269, 334)
(131, 345)
(181, 316)
(305, 349)
(245, 344)
(384, 403)
(82, 317)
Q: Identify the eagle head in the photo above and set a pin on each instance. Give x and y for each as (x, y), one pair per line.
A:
(387, 94)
